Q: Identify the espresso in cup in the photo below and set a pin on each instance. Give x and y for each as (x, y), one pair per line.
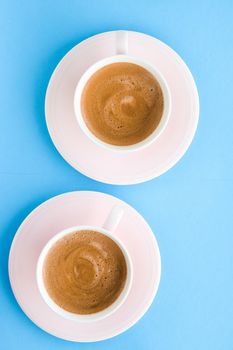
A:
(84, 272)
(122, 104)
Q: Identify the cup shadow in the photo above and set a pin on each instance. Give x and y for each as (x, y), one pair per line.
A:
(42, 77)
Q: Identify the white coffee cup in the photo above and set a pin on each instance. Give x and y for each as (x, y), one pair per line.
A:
(108, 230)
(122, 56)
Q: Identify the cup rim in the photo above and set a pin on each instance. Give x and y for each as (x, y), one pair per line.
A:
(79, 317)
(144, 64)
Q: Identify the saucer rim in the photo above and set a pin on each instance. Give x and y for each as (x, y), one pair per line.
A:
(113, 333)
(184, 146)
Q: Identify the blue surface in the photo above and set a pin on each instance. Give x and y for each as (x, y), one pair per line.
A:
(189, 208)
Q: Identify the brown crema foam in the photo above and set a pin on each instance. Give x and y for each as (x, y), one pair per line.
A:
(122, 104)
(84, 272)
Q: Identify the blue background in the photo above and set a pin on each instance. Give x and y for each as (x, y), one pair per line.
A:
(189, 208)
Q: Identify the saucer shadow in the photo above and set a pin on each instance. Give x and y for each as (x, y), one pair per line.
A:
(6, 238)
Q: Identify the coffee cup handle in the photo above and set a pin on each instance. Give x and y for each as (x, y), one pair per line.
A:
(113, 218)
(121, 42)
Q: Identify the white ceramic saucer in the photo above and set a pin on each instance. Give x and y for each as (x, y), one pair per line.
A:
(81, 208)
(105, 165)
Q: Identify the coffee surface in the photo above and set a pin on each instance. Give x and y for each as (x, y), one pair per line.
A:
(122, 103)
(84, 272)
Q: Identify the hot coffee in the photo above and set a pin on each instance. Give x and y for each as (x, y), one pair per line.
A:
(122, 103)
(84, 272)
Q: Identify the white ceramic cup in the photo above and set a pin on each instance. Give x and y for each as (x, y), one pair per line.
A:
(108, 230)
(122, 56)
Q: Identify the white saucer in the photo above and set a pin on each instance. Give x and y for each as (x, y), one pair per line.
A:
(105, 165)
(81, 208)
